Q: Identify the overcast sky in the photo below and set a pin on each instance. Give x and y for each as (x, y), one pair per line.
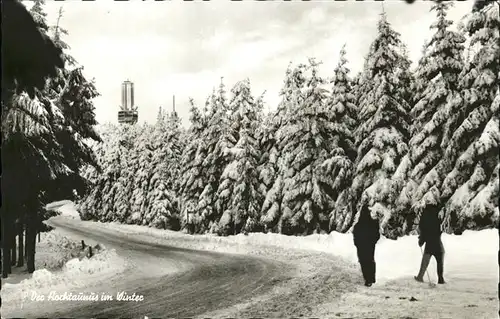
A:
(183, 48)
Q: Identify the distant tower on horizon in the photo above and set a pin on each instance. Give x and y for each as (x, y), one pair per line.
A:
(127, 95)
(163, 113)
(173, 104)
(128, 110)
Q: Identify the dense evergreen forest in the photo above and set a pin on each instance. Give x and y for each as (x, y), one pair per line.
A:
(391, 136)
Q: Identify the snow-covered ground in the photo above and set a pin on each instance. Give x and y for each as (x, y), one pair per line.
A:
(61, 265)
(329, 261)
(471, 270)
(52, 252)
(470, 254)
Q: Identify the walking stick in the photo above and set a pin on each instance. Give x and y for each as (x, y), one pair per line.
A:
(432, 285)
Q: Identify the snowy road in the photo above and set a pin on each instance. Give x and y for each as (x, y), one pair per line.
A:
(269, 276)
(174, 282)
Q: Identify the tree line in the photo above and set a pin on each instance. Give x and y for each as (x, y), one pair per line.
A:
(392, 137)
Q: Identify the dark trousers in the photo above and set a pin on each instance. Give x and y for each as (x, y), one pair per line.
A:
(435, 249)
(366, 258)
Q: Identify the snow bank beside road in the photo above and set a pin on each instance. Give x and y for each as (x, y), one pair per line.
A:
(75, 273)
(52, 253)
(65, 207)
(466, 254)
(472, 248)
(470, 268)
(471, 271)
(61, 265)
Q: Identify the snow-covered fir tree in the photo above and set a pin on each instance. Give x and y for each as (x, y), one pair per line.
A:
(470, 162)
(438, 74)
(176, 146)
(98, 203)
(268, 146)
(163, 209)
(342, 113)
(216, 139)
(384, 129)
(405, 77)
(310, 142)
(49, 129)
(268, 143)
(271, 181)
(238, 197)
(39, 15)
(192, 181)
(31, 121)
(73, 94)
(140, 163)
(160, 117)
(129, 164)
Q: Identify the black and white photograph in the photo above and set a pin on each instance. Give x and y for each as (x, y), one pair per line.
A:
(250, 159)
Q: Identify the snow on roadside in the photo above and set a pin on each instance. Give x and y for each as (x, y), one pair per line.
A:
(469, 249)
(61, 264)
(52, 252)
(74, 274)
(473, 248)
(470, 268)
(65, 207)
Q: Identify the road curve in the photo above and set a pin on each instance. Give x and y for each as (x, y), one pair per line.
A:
(175, 282)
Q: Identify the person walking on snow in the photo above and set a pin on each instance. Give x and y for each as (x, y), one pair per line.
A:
(430, 235)
(366, 235)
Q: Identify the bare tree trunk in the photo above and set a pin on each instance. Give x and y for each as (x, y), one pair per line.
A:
(20, 238)
(13, 248)
(6, 245)
(25, 241)
(38, 236)
(30, 245)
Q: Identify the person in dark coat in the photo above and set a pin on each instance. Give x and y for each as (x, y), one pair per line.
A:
(366, 235)
(430, 235)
